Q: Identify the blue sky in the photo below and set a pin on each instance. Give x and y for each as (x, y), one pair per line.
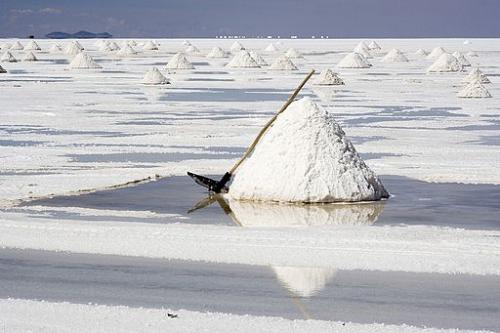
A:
(207, 18)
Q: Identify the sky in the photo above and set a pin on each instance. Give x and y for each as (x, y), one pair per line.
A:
(210, 18)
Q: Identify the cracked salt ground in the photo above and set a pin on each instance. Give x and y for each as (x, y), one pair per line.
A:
(413, 203)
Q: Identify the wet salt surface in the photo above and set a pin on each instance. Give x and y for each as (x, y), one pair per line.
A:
(437, 300)
(412, 203)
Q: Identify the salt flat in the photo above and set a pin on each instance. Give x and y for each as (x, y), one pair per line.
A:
(65, 131)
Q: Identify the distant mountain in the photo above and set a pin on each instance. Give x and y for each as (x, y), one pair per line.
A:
(79, 34)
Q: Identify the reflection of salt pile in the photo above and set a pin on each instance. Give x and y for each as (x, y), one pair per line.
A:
(217, 52)
(474, 90)
(436, 53)
(476, 75)
(17, 46)
(8, 57)
(283, 63)
(150, 46)
(394, 55)
(243, 59)
(237, 47)
(293, 54)
(55, 48)
(32, 46)
(154, 77)
(126, 51)
(2, 70)
(179, 61)
(422, 53)
(329, 78)
(30, 57)
(445, 63)
(83, 61)
(258, 58)
(305, 157)
(353, 60)
(271, 48)
(461, 58)
(304, 281)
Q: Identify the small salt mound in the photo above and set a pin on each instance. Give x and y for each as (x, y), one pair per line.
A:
(472, 54)
(243, 59)
(179, 61)
(271, 48)
(362, 46)
(474, 90)
(150, 46)
(83, 61)
(2, 70)
(55, 48)
(445, 63)
(6, 46)
(106, 47)
(305, 157)
(99, 43)
(237, 46)
(132, 43)
(476, 75)
(186, 42)
(29, 57)
(217, 52)
(154, 77)
(364, 52)
(191, 49)
(17, 46)
(353, 60)
(466, 42)
(126, 51)
(8, 57)
(436, 53)
(329, 78)
(394, 55)
(293, 54)
(283, 63)
(73, 48)
(32, 46)
(77, 43)
(422, 53)
(461, 58)
(113, 46)
(258, 59)
(374, 46)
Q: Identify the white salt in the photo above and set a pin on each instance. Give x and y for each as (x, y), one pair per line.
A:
(476, 75)
(445, 63)
(394, 55)
(17, 46)
(217, 52)
(474, 90)
(29, 57)
(258, 58)
(55, 48)
(461, 58)
(243, 59)
(150, 46)
(191, 49)
(353, 60)
(237, 46)
(83, 61)
(436, 53)
(32, 46)
(293, 54)
(329, 78)
(179, 61)
(8, 57)
(271, 48)
(283, 63)
(422, 53)
(374, 46)
(154, 77)
(2, 70)
(126, 51)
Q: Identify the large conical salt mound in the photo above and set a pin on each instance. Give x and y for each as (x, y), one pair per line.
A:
(83, 61)
(461, 58)
(374, 46)
(364, 52)
(329, 78)
(243, 59)
(154, 77)
(353, 60)
(73, 48)
(179, 61)
(283, 63)
(30, 57)
(17, 46)
(271, 48)
(217, 52)
(8, 57)
(445, 63)
(305, 157)
(150, 46)
(258, 59)
(293, 54)
(55, 48)
(436, 53)
(476, 75)
(236, 47)
(394, 55)
(2, 70)
(191, 49)
(474, 90)
(126, 51)
(422, 53)
(32, 46)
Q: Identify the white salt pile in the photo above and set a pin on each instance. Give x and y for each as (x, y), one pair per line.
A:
(179, 61)
(461, 58)
(6, 46)
(154, 77)
(329, 78)
(237, 46)
(191, 49)
(132, 43)
(217, 52)
(258, 58)
(113, 46)
(73, 48)
(150, 46)
(83, 61)
(394, 55)
(29, 57)
(472, 54)
(283, 63)
(271, 48)
(374, 46)
(363, 51)
(186, 42)
(474, 90)
(77, 43)
(445, 63)
(8, 57)
(55, 48)
(17, 46)
(353, 60)
(106, 47)
(293, 54)
(243, 59)
(32, 46)
(2, 70)
(305, 157)
(436, 53)
(126, 51)
(466, 42)
(476, 75)
(422, 53)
